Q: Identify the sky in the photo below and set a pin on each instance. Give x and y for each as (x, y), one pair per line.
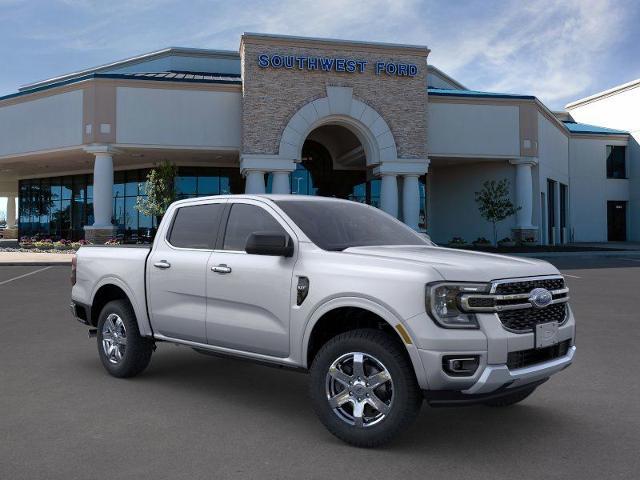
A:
(557, 50)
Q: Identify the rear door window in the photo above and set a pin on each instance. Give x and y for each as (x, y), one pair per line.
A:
(196, 226)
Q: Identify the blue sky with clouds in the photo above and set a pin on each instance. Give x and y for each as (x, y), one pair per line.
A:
(557, 50)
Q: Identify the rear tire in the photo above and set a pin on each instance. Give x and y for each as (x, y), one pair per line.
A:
(345, 400)
(509, 400)
(123, 351)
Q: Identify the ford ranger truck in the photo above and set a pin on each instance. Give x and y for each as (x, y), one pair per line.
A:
(379, 317)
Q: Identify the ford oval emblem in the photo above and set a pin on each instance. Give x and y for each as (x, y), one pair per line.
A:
(540, 297)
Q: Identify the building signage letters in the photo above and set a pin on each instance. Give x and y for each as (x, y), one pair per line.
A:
(333, 64)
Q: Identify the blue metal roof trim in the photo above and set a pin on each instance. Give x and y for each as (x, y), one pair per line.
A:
(585, 128)
(444, 92)
(226, 79)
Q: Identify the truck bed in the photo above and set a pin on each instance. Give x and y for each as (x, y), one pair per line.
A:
(120, 265)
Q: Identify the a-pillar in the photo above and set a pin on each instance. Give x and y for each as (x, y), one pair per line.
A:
(102, 228)
(524, 229)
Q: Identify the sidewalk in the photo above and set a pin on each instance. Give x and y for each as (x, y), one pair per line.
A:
(34, 259)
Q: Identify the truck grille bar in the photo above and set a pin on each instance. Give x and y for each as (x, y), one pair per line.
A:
(511, 301)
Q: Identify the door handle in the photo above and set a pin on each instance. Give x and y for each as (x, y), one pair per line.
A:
(222, 268)
(162, 264)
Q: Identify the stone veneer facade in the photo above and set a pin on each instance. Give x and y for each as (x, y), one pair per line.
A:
(272, 96)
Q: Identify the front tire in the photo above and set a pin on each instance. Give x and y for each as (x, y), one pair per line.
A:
(123, 351)
(363, 388)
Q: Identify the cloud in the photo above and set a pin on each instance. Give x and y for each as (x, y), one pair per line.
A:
(557, 50)
(551, 49)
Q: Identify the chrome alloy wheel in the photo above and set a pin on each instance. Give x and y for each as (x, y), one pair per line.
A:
(359, 389)
(114, 338)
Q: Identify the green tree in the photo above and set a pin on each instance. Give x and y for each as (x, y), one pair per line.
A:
(160, 190)
(494, 203)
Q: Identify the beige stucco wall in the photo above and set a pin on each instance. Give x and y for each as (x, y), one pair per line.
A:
(53, 121)
(271, 96)
(466, 129)
(178, 117)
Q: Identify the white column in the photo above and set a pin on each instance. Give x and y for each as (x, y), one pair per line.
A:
(524, 193)
(281, 183)
(389, 194)
(11, 212)
(411, 200)
(103, 189)
(255, 182)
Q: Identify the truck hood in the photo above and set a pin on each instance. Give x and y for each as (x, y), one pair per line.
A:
(461, 265)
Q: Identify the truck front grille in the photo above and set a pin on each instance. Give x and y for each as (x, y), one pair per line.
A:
(525, 286)
(525, 358)
(525, 320)
(513, 302)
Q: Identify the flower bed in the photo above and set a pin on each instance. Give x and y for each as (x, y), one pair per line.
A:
(40, 245)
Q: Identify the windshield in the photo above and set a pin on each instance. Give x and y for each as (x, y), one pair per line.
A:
(340, 225)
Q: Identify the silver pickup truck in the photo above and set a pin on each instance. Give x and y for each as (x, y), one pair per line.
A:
(379, 316)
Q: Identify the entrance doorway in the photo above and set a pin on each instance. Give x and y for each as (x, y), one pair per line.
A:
(617, 221)
(333, 164)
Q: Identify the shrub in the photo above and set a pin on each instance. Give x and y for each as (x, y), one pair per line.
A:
(457, 241)
(481, 241)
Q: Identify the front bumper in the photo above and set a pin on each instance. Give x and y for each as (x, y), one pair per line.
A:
(496, 376)
(491, 344)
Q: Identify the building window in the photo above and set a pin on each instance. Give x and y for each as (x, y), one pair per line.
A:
(616, 161)
(60, 207)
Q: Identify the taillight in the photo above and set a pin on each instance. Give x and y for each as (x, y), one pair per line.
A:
(74, 266)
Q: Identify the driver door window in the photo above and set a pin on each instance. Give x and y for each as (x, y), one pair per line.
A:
(244, 220)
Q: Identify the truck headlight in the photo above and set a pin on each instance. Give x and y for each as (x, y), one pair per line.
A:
(443, 304)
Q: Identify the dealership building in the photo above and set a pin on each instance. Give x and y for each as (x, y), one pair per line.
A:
(371, 122)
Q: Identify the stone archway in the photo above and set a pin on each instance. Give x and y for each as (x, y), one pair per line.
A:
(340, 108)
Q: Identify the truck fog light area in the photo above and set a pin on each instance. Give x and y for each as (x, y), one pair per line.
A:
(443, 304)
(458, 366)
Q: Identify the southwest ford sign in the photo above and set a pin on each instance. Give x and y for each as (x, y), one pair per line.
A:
(333, 64)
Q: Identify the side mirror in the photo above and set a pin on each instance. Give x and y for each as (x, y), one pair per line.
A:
(269, 243)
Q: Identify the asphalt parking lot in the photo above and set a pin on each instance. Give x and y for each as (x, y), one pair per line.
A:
(193, 416)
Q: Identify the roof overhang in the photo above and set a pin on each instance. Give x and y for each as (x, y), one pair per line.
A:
(605, 93)
(145, 57)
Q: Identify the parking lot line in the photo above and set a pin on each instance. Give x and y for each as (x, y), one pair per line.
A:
(572, 276)
(25, 275)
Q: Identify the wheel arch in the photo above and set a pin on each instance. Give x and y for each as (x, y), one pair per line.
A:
(328, 321)
(112, 288)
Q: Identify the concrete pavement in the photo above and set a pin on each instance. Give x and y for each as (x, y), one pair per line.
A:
(191, 416)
